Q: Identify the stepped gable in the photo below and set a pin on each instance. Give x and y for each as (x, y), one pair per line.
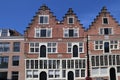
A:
(70, 13)
(43, 10)
(104, 13)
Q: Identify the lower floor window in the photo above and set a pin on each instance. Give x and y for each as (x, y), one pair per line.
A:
(3, 75)
(15, 75)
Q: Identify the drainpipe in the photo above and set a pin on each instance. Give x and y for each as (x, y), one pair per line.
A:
(88, 64)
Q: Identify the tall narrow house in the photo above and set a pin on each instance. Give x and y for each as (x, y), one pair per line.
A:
(104, 47)
(11, 55)
(55, 50)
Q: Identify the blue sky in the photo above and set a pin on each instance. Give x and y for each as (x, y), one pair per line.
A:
(16, 14)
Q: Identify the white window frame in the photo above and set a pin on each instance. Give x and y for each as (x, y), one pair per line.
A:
(103, 31)
(66, 32)
(69, 18)
(74, 43)
(39, 29)
(44, 20)
(103, 20)
(52, 47)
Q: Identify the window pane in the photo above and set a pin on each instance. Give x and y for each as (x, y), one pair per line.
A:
(71, 33)
(43, 33)
(15, 60)
(15, 75)
(105, 20)
(16, 47)
(70, 20)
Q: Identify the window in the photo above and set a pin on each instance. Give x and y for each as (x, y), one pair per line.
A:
(29, 74)
(4, 32)
(4, 46)
(105, 20)
(3, 75)
(105, 31)
(106, 47)
(80, 46)
(44, 19)
(114, 44)
(52, 47)
(16, 46)
(43, 32)
(70, 20)
(54, 73)
(15, 60)
(15, 75)
(4, 62)
(34, 47)
(35, 74)
(71, 33)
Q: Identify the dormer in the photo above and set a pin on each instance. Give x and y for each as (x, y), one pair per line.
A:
(4, 32)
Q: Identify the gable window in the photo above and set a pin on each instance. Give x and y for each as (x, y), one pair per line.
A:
(70, 20)
(16, 46)
(71, 32)
(44, 19)
(43, 32)
(105, 31)
(105, 20)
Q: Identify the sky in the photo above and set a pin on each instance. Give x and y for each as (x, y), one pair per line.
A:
(17, 14)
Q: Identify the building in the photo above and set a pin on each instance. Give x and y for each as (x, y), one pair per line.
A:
(55, 50)
(104, 47)
(11, 55)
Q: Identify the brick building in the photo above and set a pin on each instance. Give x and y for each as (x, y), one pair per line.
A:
(104, 47)
(11, 55)
(55, 50)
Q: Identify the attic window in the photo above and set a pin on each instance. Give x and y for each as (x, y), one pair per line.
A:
(105, 20)
(4, 32)
(70, 20)
(43, 19)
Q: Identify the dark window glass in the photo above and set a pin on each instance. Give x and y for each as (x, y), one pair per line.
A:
(43, 33)
(105, 21)
(15, 75)
(15, 60)
(36, 64)
(106, 31)
(27, 64)
(4, 62)
(71, 33)
(75, 51)
(106, 47)
(63, 63)
(3, 75)
(70, 20)
(16, 47)
(41, 19)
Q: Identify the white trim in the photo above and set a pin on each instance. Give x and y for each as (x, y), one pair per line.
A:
(103, 21)
(11, 39)
(68, 19)
(43, 21)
